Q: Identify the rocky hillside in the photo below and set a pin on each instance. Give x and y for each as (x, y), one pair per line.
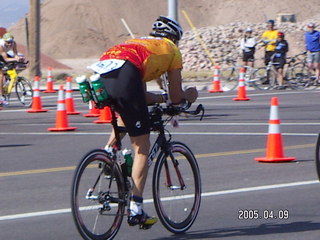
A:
(223, 42)
(81, 29)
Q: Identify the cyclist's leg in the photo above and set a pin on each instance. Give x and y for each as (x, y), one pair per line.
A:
(279, 68)
(112, 139)
(2, 99)
(128, 92)
(140, 145)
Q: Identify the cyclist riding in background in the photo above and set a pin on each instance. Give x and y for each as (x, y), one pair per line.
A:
(8, 53)
(312, 40)
(269, 38)
(139, 61)
(282, 47)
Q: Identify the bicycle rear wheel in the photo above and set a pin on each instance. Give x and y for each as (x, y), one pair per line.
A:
(177, 188)
(98, 196)
(24, 91)
(229, 78)
(317, 157)
(298, 76)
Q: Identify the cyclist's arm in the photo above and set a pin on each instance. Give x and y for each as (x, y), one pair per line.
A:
(152, 98)
(5, 56)
(177, 95)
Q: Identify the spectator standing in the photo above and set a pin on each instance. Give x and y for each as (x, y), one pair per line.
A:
(312, 40)
(247, 46)
(269, 38)
(279, 59)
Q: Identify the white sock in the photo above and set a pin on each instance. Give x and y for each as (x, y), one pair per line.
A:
(108, 149)
(135, 208)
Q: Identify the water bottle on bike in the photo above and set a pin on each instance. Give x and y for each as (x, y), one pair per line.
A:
(85, 88)
(98, 88)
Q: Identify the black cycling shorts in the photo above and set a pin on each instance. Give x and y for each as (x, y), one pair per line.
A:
(125, 88)
(279, 62)
(267, 57)
(248, 56)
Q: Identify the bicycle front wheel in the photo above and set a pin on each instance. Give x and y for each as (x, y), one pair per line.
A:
(317, 158)
(98, 196)
(177, 188)
(24, 91)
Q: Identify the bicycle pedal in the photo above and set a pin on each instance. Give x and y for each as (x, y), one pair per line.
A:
(145, 226)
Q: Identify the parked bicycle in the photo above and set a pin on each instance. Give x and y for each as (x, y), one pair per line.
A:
(101, 184)
(264, 78)
(230, 75)
(23, 87)
(297, 73)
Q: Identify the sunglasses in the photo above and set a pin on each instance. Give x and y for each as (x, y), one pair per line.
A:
(9, 42)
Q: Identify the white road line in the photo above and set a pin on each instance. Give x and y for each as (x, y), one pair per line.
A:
(262, 94)
(204, 124)
(172, 133)
(207, 194)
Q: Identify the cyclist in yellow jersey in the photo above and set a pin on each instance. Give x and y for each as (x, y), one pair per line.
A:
(139, 61)
(8, 53)
(269, 38)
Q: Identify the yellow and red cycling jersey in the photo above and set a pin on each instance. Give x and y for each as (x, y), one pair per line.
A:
(152, 56)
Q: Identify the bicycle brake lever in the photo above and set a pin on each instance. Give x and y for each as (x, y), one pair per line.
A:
(199, 109)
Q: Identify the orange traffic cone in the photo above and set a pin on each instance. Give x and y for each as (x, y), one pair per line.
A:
(94, 112)
(274, 141)
(61, 114)
(36, 99)
(242, 96)
(105, 116)
(49, 82)
(216, 81)
(69, 99)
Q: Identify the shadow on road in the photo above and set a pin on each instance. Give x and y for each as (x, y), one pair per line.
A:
(263, 229)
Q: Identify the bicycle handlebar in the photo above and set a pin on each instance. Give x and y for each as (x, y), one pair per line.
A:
(12, 65)
(173, 110)
(293, 58)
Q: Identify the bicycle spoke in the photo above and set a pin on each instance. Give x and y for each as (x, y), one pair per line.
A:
(98, 201)
(177, 189)
(24, 91)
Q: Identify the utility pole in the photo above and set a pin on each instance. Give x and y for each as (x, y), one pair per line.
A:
(34, 39)
(173, 9)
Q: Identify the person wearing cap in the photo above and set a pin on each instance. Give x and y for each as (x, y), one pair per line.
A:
(312, 41)
(8, 53)
(269, 38)
(247, 47)
(279, 58)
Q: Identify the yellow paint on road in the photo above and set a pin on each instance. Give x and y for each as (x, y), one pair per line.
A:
(205, 155)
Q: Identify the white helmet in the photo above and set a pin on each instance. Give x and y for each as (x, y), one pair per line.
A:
(166, 27)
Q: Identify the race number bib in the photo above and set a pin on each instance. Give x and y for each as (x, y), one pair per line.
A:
(106, 66)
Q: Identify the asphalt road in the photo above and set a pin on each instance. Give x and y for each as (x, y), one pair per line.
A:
(36, 168)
